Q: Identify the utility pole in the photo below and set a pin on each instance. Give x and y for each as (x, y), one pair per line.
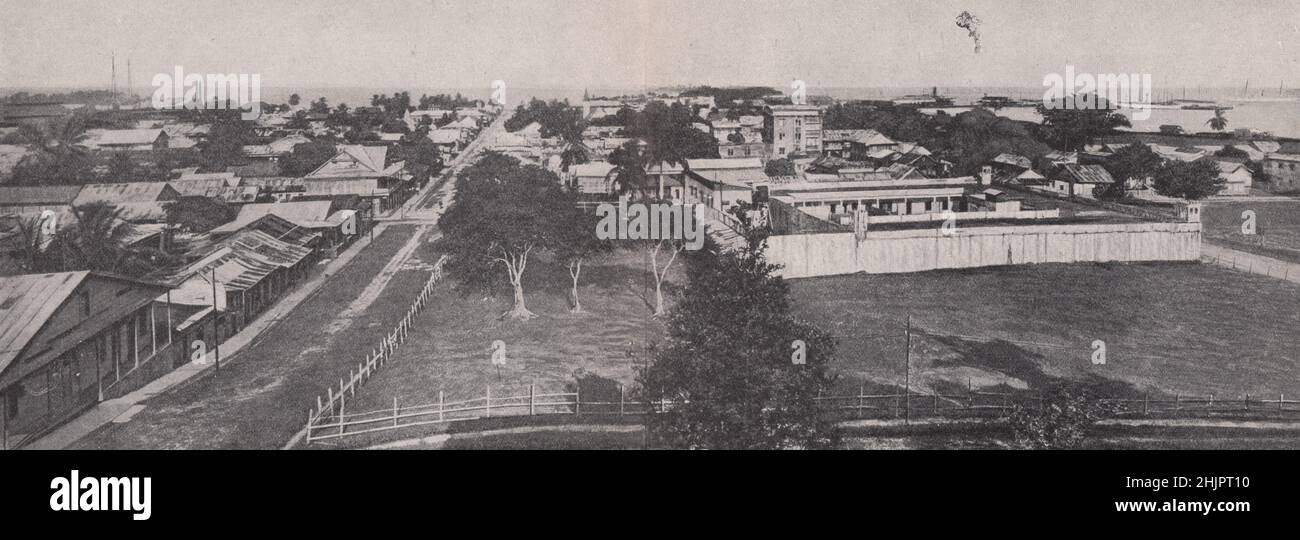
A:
(216, 321)
(907, 396)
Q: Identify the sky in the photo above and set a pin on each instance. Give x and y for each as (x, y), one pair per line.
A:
(634, 43)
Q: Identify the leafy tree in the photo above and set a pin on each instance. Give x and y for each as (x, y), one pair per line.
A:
(1192, 180)
(307, 157)
(298, 121)
(576, 243)
(1059, 421)
(727, 370)
(1231, 151)
(294, 100)
(1133, 162)
(779, 167)
(320, 106)
(503, 212)
(1074, 128)
(121, 168)
(225, 143)
(199, 214)
(735, 138)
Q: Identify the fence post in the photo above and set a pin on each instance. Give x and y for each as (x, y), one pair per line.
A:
(440, 405)
(1211, 401)
(489, 401)
(318, 407)
(935, 412)
(342, 411)
(1177, 403)
(532, 399)
(577, 399)
(620, 399)
(309, 424)
(394, 411)
(1145, 399)
(1279, 401)
(861, 390)
(1247, 402)
(970, 394)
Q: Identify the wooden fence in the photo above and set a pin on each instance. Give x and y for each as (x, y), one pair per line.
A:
(861, 405)
(334, 403)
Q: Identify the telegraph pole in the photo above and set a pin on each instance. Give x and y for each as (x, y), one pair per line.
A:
(907, 396)
(216, 321)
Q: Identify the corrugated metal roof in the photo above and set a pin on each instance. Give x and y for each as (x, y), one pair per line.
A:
(26, 303)
(299, 213)
(125, 192)
(1088, 174)
(38, 195)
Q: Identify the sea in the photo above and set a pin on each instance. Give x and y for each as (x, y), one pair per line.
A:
(1276, 111)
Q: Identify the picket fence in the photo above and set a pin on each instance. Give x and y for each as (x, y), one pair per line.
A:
(860, 405)
(335, 402)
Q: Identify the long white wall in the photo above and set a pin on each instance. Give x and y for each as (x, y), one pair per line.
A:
(886, 252)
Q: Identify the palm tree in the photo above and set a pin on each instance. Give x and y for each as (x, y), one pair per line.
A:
(60, 156)
(97, 242)
(1219, 122)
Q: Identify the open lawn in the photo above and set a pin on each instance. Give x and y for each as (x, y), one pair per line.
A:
(450, 348)
(1189, 328)
(1277, 226)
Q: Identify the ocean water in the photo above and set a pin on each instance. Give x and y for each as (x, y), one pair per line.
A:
(1282, 118)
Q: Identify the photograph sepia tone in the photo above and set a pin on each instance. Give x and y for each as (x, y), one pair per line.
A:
(648, 225)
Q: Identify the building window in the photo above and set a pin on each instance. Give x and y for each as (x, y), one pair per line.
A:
(85, 304)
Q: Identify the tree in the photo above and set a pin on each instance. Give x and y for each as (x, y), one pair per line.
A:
(1059, 421)
(199, 214)
(779, 167)
(1231, 151)
(503, 212)
(34, 236)
(298, 121)
(576, 243)
(294, 100)
(1133, 162)
(95, 242)
(307, 157)
(1072, 129)
(61, 158)
(1191, 180)
(1219, 122)
(657, 248)
(320, 106)
(225, 143)
(121, 168)
(727, 370)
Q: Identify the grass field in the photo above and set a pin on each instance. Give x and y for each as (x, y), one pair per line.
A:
(1190, 329)
(1278, 225)
(450, 347)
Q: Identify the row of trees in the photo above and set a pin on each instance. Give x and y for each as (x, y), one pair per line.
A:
(727, 362)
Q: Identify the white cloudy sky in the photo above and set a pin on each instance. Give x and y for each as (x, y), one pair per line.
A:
(619, 43)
